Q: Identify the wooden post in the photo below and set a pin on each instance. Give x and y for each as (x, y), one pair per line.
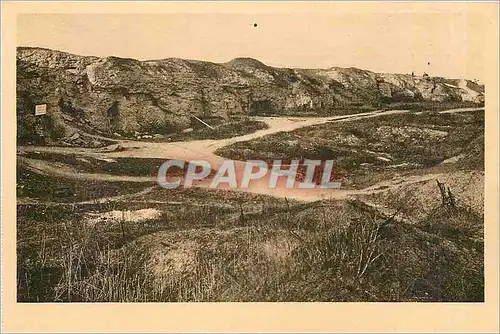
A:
(451, 198)
(204, 123)
(443, 192)
(242, 215)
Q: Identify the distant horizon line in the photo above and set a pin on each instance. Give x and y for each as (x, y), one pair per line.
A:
(243, 57)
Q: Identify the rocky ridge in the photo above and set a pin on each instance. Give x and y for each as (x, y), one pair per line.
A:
(124, 96)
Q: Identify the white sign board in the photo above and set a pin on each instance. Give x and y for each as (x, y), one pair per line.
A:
(40, 109)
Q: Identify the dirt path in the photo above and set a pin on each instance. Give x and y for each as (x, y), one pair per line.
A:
(257, 187)
(204, 149)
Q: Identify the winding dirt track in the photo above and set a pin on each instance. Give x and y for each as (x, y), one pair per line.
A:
(204, 150)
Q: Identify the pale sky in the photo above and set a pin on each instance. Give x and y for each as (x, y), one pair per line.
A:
(399, 43)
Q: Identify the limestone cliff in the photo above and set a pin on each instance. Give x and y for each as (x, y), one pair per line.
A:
(117, 95)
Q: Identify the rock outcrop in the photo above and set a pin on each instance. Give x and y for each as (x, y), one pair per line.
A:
(116, 95)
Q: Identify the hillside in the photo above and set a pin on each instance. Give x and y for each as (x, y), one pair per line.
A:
(121, 96)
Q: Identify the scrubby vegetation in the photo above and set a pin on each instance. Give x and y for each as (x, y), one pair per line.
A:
(370, 147)
(36, 186)
(116, 166)
(100, 241)
(356, 108)
(227, 129)
(431, 106)
(209, 250)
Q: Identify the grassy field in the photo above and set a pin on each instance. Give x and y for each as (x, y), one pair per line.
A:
(46, 188)
(227, 129)
(52, 133)
(179, 245)
(431, 106)
(414, 106)
(238, 247)
(221, 129)
(115, 166)
(369, 150)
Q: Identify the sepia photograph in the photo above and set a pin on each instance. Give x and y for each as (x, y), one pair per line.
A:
(93, 224)
(224, 156)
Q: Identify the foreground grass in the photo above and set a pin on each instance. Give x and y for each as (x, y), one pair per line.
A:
(323, 251)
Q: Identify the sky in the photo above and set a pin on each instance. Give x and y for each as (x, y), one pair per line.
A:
(440, 44)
